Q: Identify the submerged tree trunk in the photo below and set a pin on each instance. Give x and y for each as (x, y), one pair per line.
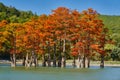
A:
(84, 61)
(74, 62)
(48, 56)
(102, 61)
(43, 60)
(59, 61)
(49, 61)
(33, 59)
(13, 56)
(54, 56)
(88, 62)
(78, 61)
(36, 60)
(23, 62)
(60, 57)
(27, 62)
(81, 62)
(63, 62)
(13, 60)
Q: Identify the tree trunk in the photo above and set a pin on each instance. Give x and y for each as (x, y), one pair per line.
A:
(87, 63)
(78, 60)
(23, 62)
(13, 56)
(33, 59)
(49, 57)
(84, 61)
(81, 62)
(63, 62)
(59, 61)
(49, 61)
(54, 56)
(27, 62)
(59, 57)
(43, 61)
(13, 60)
(102, 62)
(36, 60)
(74, 62)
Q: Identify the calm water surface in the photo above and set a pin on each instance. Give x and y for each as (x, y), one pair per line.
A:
(41, 73)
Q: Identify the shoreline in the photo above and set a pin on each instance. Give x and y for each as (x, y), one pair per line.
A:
(69, 62)
(114, 65)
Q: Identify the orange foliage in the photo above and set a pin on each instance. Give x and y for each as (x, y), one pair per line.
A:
(82, 29)
(74, 52)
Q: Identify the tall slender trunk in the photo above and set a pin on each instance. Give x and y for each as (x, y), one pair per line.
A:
(27, 62)
(84, 61)
(49, 57)
(13, 60)
(36, 60)
(74, 62)
(88, 62)
(83, 57)
(81, 61)
(102, 61)
(78, 60)
(63, 62)
(23, 62)
(54, 56)
(88, 56)
(43, 60)
(59, 61)
(49, 60)
(59, 57)
(13, 56)
(33, 59)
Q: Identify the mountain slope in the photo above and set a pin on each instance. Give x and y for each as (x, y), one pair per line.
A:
(13, 15)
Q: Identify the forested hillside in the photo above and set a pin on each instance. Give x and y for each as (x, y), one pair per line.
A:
(113, 24)
(11, 14)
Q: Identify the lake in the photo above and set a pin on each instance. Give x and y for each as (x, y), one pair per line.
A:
(50, 73)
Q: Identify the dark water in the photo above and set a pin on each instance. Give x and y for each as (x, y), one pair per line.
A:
(41, 73)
